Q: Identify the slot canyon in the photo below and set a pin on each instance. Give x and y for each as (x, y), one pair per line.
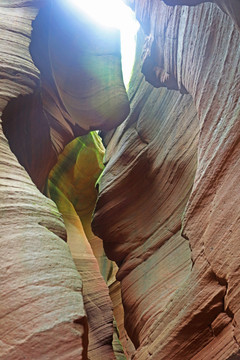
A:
(120, 209)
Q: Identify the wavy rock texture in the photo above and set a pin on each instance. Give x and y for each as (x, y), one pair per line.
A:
(126, 344)
(168, 209)
(180, 292)
(72, 187)
(40, 285)
(91, 98)
(146, 241)
(41, 291)
(230, 7)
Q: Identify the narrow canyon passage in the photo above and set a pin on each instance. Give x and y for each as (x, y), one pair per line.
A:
(127, 250)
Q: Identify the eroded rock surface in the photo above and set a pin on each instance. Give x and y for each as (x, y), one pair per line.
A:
(71, 185)
(79, 88)
(173, 232)
(145, 240)
(44, 310)
(168, 209)
(41, 291)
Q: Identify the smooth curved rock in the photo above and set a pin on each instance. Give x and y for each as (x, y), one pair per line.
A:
(40, 285)
(71, 185)
(100, 98)
(41, 305)
(168, 209)
(180, 293)
(93, 91)
(144, 159)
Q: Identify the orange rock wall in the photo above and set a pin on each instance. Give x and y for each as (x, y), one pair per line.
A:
(168, 209)
(168, 206)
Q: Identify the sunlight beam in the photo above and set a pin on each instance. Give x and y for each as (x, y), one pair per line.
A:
(114, 14)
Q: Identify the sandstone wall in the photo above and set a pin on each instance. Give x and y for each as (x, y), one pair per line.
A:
(41, 291)
(45, 313)
(168, 206)
(168, 209)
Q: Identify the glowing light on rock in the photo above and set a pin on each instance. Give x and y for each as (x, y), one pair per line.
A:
(115, 14)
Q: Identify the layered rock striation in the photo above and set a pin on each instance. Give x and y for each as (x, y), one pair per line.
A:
(45, 313)
(168, 204)
(41, 291)
(168, 209)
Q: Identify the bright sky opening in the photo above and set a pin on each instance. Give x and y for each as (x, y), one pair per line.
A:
(115, 14)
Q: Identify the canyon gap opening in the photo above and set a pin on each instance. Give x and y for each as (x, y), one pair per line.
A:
(113, 14)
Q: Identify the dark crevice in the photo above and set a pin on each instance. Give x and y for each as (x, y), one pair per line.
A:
(234, 356)
(84, 323)
(37, 126)
(61, 233)
(26, 128)
(223, 282)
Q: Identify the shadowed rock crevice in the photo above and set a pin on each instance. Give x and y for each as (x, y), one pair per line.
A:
(27, 129)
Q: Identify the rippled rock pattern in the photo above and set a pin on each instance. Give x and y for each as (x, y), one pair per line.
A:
(71, 185)
(44, 309)
(168, 210)
(168, 205)
(41, 291)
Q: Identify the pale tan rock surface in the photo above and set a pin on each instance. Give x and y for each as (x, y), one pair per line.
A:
(41, 305)
(45, 313)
